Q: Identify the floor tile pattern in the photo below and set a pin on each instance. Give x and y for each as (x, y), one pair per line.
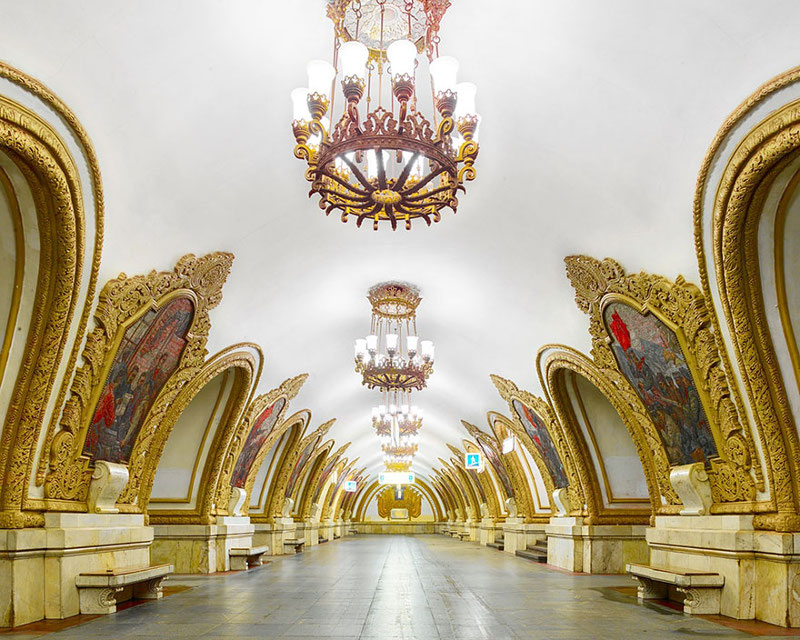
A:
(392, 587)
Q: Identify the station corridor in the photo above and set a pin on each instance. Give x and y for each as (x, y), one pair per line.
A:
(391, 587)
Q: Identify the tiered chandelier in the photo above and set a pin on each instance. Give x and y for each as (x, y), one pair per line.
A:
(393, 359)
(394, 165)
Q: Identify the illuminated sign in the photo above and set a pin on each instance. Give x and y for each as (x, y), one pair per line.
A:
(350, 485)
(396, 477)
(509, 444)
(473, 461)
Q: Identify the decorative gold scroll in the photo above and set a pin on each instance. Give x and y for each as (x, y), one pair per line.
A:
(279, 484)
(314, 480)
(737, 208)
(681, 307)
(575, 467)
(239, 360)
(122, 301)
(412, 500)
(53, 177)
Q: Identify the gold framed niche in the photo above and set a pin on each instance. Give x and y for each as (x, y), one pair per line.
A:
(313, 481)
(67, 256)
(122, 301)
(576, 474)
(242, 363)
(680, 307)
(312, 470)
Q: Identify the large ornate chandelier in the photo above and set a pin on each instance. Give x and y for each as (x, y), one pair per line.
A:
(393, 165)
(391, 357)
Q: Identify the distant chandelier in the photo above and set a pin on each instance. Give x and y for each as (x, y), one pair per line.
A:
(394, 166)
(397, 423)
(391, 357)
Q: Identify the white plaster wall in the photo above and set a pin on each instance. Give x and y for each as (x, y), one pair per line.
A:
(614, 444)
(183, 446)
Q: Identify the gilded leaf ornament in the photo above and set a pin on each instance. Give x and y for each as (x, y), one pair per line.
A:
(679, 307)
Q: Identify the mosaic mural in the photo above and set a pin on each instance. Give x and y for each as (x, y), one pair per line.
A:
(537, 431)
(150, 351)
(650, 357)
(326, 472)
(264, 425)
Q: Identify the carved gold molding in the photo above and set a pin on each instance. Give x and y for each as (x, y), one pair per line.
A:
(280, 483)
(736, 211)
(247, 370)
(314, 480)
(312, 468)
(124, 300)
(575, 468)
(681, 307)
(295, 427)
(562, 359)
(412, 501)
(486, 478)
(50, 171)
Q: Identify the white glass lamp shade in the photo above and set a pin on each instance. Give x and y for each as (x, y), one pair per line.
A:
(382, 410)
(402, 55)
(353, 59)
(465, 106)
(300, 104)
(404, 409)
(391, 342)
(360, 348)
(320, 77)
(427, 350)
(372, 343)
(412, 342)
(444, 71)
(392, 409)
(376, 413)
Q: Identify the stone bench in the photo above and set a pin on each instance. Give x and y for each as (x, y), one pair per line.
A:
(293, 543)
(352, 531)
(462, 534)
(702, 589)
(244, 558)
(98, 591)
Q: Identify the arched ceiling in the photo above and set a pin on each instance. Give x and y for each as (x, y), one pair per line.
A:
(596, 116)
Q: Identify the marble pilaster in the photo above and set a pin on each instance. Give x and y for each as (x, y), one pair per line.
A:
(574, 546)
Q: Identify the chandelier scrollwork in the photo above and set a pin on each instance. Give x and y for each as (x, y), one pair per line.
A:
(394, 165)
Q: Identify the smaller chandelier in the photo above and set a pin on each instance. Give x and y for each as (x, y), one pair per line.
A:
(401, 423)
(397, 464)
(392, 357)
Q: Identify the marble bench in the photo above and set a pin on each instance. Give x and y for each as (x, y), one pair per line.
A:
(702, 589)
(244, 558)
(352, 531)
(98, 591)
(293, 543)
(462, 534)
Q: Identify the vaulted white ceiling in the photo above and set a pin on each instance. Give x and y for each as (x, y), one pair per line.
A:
(596, 117)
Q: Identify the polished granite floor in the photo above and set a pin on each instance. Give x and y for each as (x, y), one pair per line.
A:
(387, 587)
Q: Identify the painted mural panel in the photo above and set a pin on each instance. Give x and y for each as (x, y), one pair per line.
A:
(323, 478)
(301, 463)
(537, 431)
(258, 435)
(651, 358)
(336, 488)
(478, 484)
(149, 353)
(493, 458)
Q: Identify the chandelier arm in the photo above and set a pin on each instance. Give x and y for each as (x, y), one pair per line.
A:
(401, 180)
(381, 168)
(433, 192)
(415, 214)
(419, 185)
(347, 185)
(366, 214)
(389, 209)
(343, 196)
(357, 173)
